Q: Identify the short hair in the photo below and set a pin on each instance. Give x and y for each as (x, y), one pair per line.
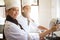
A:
(54, 21)
(26, 6)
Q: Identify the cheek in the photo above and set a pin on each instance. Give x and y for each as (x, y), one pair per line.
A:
(28, 10)
(11, 13)
(25, 10)
(15, 13)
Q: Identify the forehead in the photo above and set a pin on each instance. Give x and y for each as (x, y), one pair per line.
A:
(27, 6)
(14, 8)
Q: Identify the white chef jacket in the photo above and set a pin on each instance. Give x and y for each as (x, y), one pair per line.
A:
(13, 32)
(32, 28)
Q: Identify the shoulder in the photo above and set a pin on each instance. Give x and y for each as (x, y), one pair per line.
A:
(9, 24)
(31, 20)
(20, 18)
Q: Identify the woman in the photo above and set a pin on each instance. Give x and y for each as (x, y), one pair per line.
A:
(12, 29)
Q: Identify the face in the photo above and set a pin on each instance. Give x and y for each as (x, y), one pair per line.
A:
(13, 12)
(27, 10)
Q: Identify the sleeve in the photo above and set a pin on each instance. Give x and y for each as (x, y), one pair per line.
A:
(35, 24)
(34, 27)
(13, 33)
(34, 36)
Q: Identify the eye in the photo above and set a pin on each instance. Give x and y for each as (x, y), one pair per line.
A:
(13, 9)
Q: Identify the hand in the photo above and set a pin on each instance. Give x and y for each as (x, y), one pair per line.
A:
(42, 38)
(54, 28)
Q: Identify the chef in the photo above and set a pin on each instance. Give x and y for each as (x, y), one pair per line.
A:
(12, 29)
(29, 24)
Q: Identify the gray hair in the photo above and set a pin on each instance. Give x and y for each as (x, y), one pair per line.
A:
(54, 21)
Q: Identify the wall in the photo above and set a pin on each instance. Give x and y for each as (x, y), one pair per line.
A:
(54, 5)
(48, 9)
(44, 12)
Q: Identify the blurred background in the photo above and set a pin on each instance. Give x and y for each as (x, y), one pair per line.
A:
(42, 11)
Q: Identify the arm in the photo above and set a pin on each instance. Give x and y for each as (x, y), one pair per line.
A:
(42, 28)
(43, 34)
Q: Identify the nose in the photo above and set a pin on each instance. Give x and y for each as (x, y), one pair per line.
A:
(17, 12)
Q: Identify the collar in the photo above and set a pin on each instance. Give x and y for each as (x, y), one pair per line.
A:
(23, 17)
(9, 18)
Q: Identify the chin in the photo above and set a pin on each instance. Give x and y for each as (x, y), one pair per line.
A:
(15, 17)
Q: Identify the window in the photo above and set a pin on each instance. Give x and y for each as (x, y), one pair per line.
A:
(34, 13)
(2, 15)
(34, 2)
